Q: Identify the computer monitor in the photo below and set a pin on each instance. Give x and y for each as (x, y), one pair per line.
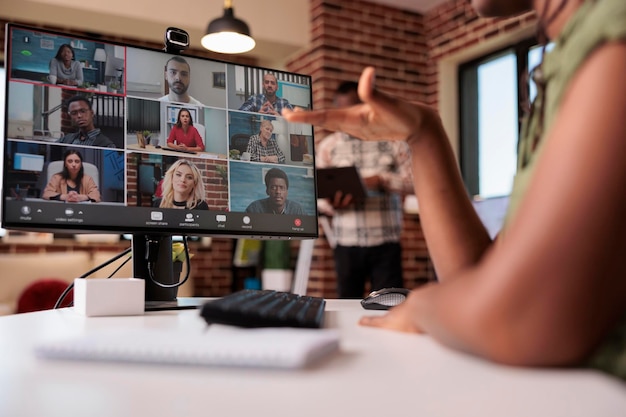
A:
(169, 144)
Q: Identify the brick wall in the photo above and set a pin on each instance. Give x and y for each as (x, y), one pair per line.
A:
(405, 48)
(347, 35)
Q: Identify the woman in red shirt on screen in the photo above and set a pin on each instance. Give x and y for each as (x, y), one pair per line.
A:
(184, 135)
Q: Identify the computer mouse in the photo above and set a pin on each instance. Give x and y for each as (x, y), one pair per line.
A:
(384, 299)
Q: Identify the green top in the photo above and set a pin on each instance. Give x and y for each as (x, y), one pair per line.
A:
(595, 23)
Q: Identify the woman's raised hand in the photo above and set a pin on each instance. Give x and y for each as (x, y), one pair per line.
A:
(378, 117)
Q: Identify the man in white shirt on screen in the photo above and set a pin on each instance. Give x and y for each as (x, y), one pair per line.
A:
(178, 76)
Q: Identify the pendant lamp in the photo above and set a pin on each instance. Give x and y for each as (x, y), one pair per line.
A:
(227, 34)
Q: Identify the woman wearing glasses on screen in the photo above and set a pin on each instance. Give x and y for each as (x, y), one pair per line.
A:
(72, 185)
(182, 188)
(64, 69)
(551, 290)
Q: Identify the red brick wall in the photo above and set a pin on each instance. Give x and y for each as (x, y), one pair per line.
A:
(405, 47)
(455, 26)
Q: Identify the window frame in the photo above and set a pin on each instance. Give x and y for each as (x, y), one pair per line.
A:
(467, 82)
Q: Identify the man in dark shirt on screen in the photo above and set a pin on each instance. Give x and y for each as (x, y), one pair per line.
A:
(277, 189)
(81, 113)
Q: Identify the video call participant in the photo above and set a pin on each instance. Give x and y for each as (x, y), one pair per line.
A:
(64, 67)
(267, 102)
(81, 113)
(263, 147)
(277, 189)
(178, 76)
(183, 135)
(182, 187)
(72, 185)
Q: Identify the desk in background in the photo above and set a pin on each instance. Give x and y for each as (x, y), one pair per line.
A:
(378, 372)
(165, 151)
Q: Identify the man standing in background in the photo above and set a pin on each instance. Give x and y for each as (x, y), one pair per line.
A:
(367, 233)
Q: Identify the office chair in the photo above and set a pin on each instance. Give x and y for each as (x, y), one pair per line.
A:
(202, 131)
(239, 142)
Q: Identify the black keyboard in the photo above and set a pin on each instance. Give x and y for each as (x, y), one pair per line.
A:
(265, 308)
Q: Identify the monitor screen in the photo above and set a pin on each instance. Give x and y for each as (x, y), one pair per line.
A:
(27, 162)
(114, 138)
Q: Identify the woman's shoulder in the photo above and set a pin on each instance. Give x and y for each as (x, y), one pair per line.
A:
(56, 176)
(201, 205)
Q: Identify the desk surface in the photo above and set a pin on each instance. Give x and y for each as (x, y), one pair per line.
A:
(377, 372)
(164, 150)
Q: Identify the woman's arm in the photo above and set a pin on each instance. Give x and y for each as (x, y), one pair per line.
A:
(90, 189)
(79, 72)
(54, 67)
(53, 190)
(171, 139)
(280, 156)
(549, 291)
(456, 237)
(199, 147)
(252, 148)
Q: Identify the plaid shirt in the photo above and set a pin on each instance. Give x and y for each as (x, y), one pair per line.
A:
(254, 103)
(379, 219)
(257, 150)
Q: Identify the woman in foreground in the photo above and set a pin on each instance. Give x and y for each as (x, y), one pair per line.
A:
(551, 291)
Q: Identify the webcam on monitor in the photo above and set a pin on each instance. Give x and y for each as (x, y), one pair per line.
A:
(176, 40)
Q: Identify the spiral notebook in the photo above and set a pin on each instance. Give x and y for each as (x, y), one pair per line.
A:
(285, 348)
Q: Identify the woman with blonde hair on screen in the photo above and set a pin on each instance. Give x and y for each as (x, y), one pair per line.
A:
(182, 187)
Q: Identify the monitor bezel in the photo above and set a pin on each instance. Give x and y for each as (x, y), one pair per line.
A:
(70, 228)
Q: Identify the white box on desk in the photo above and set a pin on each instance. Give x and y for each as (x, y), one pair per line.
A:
(109, 297)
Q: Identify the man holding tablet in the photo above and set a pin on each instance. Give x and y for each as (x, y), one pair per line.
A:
(367, 232)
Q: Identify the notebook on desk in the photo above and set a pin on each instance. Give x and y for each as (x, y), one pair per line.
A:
(187, 303)
(281, 348)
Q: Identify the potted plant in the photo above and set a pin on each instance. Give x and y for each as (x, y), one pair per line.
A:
(277, 274)
(114, 87)
(234, 154)
(146, 136)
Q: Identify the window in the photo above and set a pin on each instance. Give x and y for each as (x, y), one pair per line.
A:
(491, 102)
(2, 98)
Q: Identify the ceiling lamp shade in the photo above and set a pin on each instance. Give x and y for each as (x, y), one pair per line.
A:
(227, 34)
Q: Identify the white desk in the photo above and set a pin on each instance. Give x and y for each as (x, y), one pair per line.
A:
(377, 373)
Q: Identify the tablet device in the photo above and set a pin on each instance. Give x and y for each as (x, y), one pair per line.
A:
(344, 179)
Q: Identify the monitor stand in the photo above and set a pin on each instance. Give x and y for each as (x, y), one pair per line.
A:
(157, 249)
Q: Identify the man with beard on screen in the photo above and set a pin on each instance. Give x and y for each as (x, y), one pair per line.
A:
(178, 76)
(267, 102)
